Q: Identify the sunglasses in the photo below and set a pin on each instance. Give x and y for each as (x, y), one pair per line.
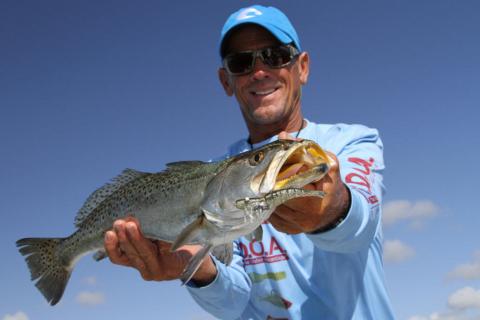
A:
(240, 63)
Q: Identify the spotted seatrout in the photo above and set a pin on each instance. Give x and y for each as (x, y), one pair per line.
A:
(190, 202)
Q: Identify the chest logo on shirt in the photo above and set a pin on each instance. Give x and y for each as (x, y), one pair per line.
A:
(255, 252)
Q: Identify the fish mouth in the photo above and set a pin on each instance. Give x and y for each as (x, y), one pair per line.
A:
(301, 163)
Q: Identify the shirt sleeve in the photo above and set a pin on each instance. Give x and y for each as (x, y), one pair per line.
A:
(360, 157)
(228, 294)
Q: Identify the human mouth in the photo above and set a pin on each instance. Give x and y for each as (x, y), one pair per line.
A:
(263, 92)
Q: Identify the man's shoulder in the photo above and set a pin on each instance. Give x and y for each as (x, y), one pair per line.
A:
(343, 129)
(330, 136)
(340, 134)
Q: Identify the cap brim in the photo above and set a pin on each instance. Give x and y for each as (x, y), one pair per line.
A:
(276, 32)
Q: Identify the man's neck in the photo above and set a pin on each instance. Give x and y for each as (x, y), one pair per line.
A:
(260, 133)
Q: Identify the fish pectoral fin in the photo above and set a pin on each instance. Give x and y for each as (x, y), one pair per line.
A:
(195, 263)
(256, 235)
(224, 253)
(189, 233)
(100, 255)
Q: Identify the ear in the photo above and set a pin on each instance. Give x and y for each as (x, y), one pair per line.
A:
(304, 67)
(225, 80)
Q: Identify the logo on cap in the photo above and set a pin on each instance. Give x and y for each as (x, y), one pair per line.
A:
(249, 13)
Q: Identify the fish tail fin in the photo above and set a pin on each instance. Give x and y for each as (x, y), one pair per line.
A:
(47, 265)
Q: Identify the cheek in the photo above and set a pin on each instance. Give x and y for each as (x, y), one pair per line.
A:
(240, 91)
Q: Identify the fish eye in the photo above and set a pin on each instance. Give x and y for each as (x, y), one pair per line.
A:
(256, 158)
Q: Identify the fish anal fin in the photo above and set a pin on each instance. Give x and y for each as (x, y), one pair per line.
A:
(195, 263)
(100, 255)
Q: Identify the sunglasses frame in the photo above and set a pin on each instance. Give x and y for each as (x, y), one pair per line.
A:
(294, 53)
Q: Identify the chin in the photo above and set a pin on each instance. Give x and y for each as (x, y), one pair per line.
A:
(266, 120)
(268, 115)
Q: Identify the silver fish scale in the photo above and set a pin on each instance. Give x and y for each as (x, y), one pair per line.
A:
(133, 190)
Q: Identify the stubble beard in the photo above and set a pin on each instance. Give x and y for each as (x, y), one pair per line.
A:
(268, 116)
(272, 114)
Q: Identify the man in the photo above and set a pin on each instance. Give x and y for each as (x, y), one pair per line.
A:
(319, 258)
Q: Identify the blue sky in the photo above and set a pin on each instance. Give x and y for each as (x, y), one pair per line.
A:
(88, 88)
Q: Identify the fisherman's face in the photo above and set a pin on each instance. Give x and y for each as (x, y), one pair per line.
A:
(266, 96)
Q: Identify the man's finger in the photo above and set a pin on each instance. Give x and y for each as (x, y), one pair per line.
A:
(113, 249)
(333, 161)
(147, 251)
(126, 245)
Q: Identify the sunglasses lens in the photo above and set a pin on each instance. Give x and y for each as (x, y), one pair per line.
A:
(239, 63)
(242, 62)
(277, 57)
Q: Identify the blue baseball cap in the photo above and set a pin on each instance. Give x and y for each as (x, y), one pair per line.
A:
(270, 18)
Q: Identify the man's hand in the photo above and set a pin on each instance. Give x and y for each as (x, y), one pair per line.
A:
(125, 245)
(309, 214)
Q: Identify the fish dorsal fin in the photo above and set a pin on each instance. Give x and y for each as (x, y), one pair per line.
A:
(104, 192)
(183, 165)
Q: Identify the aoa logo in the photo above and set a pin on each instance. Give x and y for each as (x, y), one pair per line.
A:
(249, 13)
(255, 252)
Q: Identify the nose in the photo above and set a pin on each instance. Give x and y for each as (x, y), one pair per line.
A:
(260, 70)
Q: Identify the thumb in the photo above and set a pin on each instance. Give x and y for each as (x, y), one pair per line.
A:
(333, 162)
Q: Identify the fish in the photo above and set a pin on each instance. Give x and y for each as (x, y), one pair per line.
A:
(189, 202)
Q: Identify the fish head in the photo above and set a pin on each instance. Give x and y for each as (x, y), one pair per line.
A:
(278, 165)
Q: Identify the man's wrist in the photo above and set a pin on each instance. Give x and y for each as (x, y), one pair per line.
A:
(343, 214)
(206, 274)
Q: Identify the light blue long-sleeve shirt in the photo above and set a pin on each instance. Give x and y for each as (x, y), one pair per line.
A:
(337, 274)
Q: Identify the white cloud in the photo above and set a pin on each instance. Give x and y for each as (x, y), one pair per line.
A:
(17, 316)
(464, 304)
(90, 298)
(456, 315)
(415, 212)
(468, 271)
(465, 298)
(397, 251)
